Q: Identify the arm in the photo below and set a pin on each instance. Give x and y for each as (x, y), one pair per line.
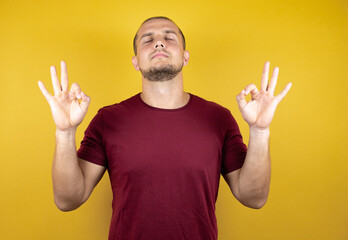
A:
(73, 178)
(250, 184)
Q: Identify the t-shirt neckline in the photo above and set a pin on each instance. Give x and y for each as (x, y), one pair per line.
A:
(165, 109)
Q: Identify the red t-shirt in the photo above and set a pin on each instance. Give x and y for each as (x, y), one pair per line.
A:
(164, 166)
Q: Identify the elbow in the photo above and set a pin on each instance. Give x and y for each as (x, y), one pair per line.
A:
(258, 204)
(67, 201)
(66, 206)
(254, 202)
(63, 208)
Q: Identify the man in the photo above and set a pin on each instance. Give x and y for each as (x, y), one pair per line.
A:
(164, 148)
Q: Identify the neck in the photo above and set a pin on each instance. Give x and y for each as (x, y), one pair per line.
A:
(167, 95)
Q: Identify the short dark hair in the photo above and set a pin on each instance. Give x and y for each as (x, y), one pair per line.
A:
(152, 18)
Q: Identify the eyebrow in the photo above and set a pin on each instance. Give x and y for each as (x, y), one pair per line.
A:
(151, 33)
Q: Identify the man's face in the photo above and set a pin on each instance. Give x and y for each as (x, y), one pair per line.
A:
(159, 50)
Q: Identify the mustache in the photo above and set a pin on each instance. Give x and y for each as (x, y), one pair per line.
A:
(157, 51)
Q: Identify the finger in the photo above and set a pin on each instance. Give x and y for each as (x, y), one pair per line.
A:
(264, 78)
(44, 91)
(283, 93)
(64, 76)
(76, 90)
(85, 100)
(241, 99)
(251, 88)
(55, 81)
(273, 82)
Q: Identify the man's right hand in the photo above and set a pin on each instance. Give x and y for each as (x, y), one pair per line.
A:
(68, 107)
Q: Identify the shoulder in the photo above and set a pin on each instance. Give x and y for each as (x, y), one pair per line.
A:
(211, 106)
(124, 105)
(216, 113)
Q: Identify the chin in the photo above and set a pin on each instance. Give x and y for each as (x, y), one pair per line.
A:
(162, 66)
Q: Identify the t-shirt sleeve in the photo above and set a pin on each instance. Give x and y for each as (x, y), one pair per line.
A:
(234, 150)
(92, 146)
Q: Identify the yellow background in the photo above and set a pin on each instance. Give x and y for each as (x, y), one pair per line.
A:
(229, 41)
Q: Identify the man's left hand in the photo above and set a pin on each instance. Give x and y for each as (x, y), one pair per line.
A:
(259, 111)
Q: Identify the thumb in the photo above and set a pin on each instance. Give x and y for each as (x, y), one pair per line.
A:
(44, 91)
(241, 99)
(85, 100)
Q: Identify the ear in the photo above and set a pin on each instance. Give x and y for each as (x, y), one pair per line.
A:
(135, 63)
(186, 57)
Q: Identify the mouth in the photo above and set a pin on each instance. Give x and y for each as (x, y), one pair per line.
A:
(159, 55)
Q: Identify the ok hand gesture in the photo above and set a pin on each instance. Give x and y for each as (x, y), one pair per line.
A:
(68, 107)
(259, 111)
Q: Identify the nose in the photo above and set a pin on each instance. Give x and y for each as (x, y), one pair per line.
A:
(159, 45)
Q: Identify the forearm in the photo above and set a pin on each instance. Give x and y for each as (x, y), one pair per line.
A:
(254, 179)
(67, 177)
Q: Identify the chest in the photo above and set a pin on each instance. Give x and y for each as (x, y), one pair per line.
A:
(157, 145)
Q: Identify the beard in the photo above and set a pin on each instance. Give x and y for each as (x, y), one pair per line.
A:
(161, 73)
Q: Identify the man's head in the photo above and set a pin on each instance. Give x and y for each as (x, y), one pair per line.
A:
(153, 18)
(159, 48)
